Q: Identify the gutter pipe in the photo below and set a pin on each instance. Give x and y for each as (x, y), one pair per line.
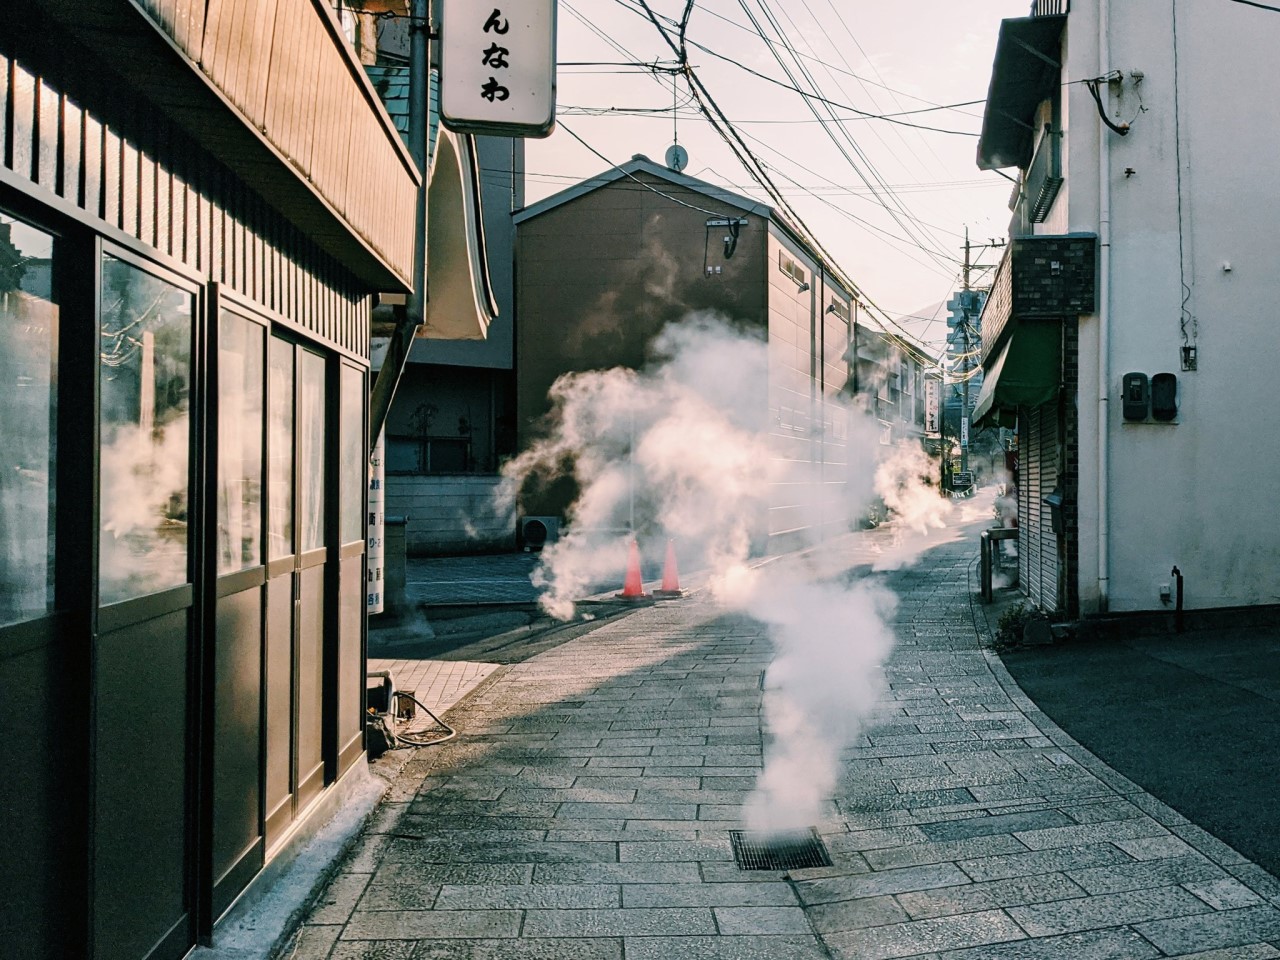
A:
(1104, 324)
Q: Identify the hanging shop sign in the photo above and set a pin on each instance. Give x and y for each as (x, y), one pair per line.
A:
(932, 396)
(964, 433)
(498, 67)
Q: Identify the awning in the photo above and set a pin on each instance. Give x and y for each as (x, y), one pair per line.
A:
(1025, 373)
(1025, 73)
(460, 300)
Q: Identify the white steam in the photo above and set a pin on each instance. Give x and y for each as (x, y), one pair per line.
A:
(693, 448)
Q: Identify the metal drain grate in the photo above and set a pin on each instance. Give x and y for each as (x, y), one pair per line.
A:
(779, 851)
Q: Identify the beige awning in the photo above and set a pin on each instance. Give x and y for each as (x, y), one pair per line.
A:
(460, 300)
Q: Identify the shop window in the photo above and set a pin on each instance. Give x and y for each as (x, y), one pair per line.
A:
(353, 471)
(240, 410)
(311, 422)
(280, 450)
(28, 410)
(144, 362)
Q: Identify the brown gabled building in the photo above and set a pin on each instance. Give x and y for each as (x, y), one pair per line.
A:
(604, 266)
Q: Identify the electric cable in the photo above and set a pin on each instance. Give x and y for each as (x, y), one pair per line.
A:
(414, 738)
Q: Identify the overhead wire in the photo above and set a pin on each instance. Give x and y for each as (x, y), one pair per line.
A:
(889, 201)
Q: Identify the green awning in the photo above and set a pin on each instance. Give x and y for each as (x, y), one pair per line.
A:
(1025, 373)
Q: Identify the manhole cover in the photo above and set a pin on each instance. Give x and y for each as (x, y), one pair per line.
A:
(778, 851)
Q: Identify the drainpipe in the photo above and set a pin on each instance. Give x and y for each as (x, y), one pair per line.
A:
(1104, 323)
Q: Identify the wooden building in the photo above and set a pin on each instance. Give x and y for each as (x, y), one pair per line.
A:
(198, 201)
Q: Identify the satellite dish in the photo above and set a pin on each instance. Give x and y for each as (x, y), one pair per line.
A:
(677, 157)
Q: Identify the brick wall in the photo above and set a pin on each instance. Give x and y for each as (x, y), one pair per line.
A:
(1054, 276)
(1070, 470)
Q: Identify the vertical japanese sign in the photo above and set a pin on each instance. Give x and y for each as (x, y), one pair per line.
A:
(964, 432)
(498, 66)
(375, 549)
(932, 397)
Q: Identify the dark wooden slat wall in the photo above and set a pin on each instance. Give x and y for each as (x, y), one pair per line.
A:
(144, 176)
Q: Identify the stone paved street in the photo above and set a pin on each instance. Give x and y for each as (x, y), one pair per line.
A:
(584, 812)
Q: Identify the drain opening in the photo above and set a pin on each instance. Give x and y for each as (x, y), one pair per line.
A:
(779, 851)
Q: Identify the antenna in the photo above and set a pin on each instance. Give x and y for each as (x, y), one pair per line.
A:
(677, 156)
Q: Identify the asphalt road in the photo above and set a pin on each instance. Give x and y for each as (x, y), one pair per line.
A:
(1194, 719)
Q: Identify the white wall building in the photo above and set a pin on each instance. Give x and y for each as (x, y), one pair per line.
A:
(1147, 125)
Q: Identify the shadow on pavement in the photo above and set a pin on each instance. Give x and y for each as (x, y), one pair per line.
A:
(1192, 718)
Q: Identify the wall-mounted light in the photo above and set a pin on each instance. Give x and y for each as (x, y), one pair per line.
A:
(802, 288)
(831, 308)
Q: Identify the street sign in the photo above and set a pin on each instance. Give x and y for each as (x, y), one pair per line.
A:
(932, 394)
(964, 432)
(498, 67)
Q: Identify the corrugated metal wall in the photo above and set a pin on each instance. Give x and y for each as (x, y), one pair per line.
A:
(1037, 543)
(144, 177)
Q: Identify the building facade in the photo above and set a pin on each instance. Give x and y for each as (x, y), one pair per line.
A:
(603, 267)
(1129, 327)
(198, 202)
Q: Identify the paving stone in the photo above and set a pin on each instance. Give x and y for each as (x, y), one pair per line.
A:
(339, 898)
(725, 948)
(922, 936)
(313, 942)
(426, 924)
(1043, 861)
(1086, 833)
(527, 896)
(1114, 944)
(374, 950)
(642, 922)
(912, 854)
(774, 894)
(886, 882)
(760, 921)
(984, 826)
(1221, 929)
(676, 851)
(1146, 874)
(989, 895)
(1106, 910)
(542, 949)
(1225, 894)
(616, 873)
(856, 914)
(1252, 951)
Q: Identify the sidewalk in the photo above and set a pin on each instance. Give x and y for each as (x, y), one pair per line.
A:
(583, 814)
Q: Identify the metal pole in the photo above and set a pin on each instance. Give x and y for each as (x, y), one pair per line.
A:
(964, 329)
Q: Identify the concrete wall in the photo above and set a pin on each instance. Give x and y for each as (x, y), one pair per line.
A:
(451, 514)
(1199, 492)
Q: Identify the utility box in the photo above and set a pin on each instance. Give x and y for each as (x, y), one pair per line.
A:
(1136, 396)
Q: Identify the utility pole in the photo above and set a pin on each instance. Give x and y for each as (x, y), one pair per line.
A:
(964, 330)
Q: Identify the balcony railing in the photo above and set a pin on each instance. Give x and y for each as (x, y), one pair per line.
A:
(1044, 176)
(1050, 8)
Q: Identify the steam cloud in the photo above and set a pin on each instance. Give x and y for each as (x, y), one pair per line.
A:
(683, 449)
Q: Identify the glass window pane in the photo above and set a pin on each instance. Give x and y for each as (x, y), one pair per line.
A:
(311, 449)
(240, 408)
(280, 451)
(28, 409)
(354, 470)
(144, 364)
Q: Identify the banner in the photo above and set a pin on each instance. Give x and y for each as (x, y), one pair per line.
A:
(932, 395)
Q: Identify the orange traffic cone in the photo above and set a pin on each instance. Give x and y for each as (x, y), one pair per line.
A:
(633, 585)
(670, 575)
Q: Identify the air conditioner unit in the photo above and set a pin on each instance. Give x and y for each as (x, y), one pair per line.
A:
(537, 532)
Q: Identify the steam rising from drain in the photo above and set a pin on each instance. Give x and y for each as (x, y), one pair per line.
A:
(700, 446)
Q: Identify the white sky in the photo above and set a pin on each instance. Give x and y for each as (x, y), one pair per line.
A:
(926, 52)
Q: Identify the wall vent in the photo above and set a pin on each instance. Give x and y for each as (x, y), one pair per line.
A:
(537, 532)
